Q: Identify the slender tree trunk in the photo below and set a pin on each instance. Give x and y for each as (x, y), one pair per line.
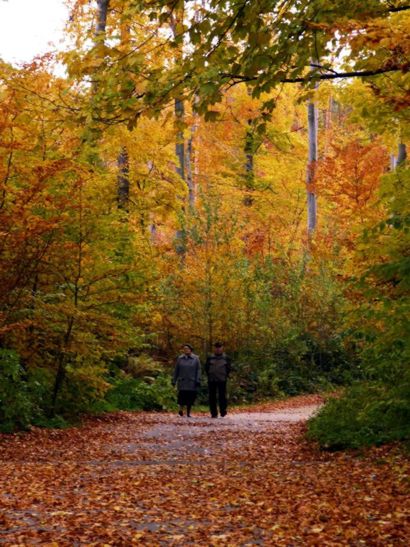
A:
(61, 367)
(393, 162)
(180, 142)
(65, 343)
(402, 154)
(176, 27)
(58, 382)
(249, 150)
(102, 13)
(190, 161)
(183, 149)
(179, 107)
(249, 164)
(123, 179)
(123, 160)
(311, 168)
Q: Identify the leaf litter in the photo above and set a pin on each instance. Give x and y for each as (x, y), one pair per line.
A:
(157, 479)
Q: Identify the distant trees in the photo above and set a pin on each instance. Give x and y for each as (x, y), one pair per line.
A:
(81, 289)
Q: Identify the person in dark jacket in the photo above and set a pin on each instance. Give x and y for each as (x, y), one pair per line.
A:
(218, 367)
(187, 378)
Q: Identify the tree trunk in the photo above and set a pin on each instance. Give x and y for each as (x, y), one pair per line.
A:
(393, 162)
(180, 144)
(102, 13)
(58, 382)
(190, 160)
(184, 150)
(179, 107)
(311, 168)
(61, 365)
(402, 154)
(123, 179)
(176, 27)
(123, 160)
(249, 164)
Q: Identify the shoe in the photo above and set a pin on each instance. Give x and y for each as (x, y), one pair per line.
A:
(180, 412)
(223, 414)
(214, 416)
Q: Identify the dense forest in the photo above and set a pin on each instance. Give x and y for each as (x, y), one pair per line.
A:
(193, 171)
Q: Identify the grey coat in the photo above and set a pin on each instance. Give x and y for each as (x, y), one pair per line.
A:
(187, 373)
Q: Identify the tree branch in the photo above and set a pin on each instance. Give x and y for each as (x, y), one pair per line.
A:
(398, 8)
(335, 75)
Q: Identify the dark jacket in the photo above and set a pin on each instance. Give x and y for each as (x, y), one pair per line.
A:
(218, 367)
(187, 373)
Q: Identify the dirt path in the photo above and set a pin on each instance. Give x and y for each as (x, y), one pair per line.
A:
(158, 479)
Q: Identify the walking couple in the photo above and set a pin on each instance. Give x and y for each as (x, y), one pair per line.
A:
(187, 378)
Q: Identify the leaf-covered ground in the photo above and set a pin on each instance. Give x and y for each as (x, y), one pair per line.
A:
(158, 479)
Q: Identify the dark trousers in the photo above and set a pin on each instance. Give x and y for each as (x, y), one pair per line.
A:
(217, 393)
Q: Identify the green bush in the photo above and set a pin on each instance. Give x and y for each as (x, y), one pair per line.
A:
(366, 414)
(16, 407)
(142, 394)
(295, 365)
(40, 385)
(83, 388)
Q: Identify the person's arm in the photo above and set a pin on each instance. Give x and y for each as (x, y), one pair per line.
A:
(207, 363)
(198, 371)
(228, 366)
(176, 373)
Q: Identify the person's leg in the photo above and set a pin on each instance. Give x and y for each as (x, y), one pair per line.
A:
(181, 402)
(212, 387)
(190, 402)
(223, 403)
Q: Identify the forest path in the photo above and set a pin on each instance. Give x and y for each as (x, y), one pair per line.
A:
(159, 479)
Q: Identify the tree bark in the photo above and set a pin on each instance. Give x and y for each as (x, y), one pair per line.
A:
(180, 144)
(311, 168)
(402, 154)
(190, 160)
(123, 179)
(249, 165)
(180, 150)
(102, 13)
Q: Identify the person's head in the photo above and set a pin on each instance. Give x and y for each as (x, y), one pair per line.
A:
(218, 348)
(187, 349)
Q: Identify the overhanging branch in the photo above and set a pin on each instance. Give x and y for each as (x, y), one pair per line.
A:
(398, 8)
(334, 75)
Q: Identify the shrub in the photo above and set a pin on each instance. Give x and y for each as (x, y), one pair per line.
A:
(138, 394)
(84, 386)
(15, 404)
(293, 365)
(366, 414)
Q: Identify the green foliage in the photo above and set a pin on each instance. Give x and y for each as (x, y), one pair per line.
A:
(91, 285)
(15, 404)
(139, 394)
(366, 414)
(83, 387)
(295, 365)
(378, 410)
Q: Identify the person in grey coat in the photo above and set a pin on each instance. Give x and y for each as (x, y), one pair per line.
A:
(187, 378)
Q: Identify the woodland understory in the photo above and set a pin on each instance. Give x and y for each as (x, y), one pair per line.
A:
(203, 171)
(192, 172)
